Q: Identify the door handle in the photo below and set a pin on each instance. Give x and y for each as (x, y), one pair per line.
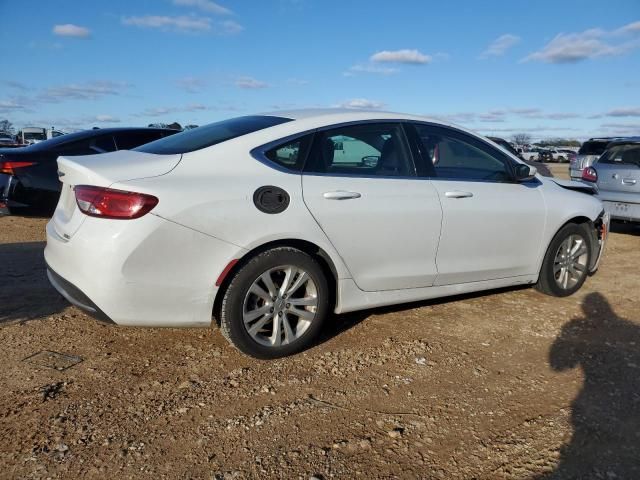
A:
(341, 195)
(628, 181)
(458, 194)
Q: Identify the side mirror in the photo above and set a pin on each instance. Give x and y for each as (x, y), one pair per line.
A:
(525, 172)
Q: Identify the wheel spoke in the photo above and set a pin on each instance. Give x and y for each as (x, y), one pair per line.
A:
(579, 252)
(276, 334)
(268, 282)
(565, 277)
(301, 280)
(304, 302)
(257, 313)
(256, 327)
(301, 313)
(579, 267)
(289, 275)
(259, 291)
(289, 336)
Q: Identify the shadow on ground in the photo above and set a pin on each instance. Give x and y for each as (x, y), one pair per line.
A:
(25, 292)
(606, 413)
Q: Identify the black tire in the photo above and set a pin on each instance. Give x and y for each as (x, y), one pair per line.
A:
(547, 282)
(231, 310)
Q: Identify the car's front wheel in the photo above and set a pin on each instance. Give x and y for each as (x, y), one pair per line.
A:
(566, 263)
(275, 304)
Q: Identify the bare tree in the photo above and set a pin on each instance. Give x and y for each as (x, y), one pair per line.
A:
(521, 138)
(6, 126)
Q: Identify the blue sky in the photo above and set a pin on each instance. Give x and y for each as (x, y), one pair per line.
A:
(548, 68)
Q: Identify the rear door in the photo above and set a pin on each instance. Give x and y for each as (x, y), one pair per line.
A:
(360, 185)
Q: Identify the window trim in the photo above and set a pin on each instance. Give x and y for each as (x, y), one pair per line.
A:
(485, 146)
(259, 153)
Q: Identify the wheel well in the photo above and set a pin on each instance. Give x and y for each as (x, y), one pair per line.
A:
(580, 220)
(309, 248)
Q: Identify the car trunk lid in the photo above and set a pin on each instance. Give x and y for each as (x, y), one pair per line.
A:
(102, 171)
(622, 178)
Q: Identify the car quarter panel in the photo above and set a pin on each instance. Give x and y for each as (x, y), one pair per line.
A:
(113, 272)
(212, 190)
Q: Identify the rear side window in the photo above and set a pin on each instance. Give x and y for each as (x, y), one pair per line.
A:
(290, 155)
(136, 138)
(593, 148)
(622, 154)
(212, 134)
(103, 144)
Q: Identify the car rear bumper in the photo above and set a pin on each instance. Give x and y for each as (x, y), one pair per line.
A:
(144, 272)
(575, 173)
(75, 296)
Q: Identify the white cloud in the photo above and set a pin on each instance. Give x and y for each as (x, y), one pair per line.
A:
(104, 119)
(191, 84)
(204, 5)
(500, 45)
(592, 43)
(369, 68)
(250, 83)
(11, 105)
(71, 30)
(229, 27)
(361, 104)
(160, 111)
(408, 56)
(182, 23)
(84, 91)
(624, 112)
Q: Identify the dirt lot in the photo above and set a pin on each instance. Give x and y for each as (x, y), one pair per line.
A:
(508, 384)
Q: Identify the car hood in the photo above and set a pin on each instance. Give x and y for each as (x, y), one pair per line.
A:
(575, 186)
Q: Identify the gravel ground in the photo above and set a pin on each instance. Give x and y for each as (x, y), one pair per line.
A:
(506, 384)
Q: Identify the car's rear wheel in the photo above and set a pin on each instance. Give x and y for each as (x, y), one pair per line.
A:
(566, 264)
(275, 304)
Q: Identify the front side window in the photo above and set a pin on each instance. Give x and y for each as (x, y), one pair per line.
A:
(369, 149)
(451, 154)
(212, 134)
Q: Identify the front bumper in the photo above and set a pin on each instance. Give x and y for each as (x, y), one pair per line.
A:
(602, 225)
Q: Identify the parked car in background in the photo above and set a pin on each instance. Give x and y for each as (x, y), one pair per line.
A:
(29, 175)
(374, 209)
(617, 176)
(540, 167)
(7, 140)
(31, 135)
(589, 152)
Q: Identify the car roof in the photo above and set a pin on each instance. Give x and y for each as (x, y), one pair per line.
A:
(625, 141)
(338, 115)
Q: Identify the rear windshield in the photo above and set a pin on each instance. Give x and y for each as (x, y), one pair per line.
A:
(211, 134)
(596, 147)
(622, 154)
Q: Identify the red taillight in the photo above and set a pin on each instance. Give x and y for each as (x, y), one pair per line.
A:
(117, 204)
(7, 167)
(589, 174)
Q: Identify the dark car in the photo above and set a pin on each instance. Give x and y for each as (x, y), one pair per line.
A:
(29, 175)
(541, 167)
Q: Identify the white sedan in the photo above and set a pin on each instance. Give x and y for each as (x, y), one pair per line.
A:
(268, 223)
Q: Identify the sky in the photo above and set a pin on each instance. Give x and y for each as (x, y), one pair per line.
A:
(547, 68)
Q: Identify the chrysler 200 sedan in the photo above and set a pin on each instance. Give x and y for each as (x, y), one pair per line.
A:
(268, 223)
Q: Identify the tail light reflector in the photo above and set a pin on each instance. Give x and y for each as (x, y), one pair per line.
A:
(7, 167)
(589, 174)
(116, 204)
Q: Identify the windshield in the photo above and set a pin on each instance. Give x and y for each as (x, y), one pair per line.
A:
(622, 154)
(212, 134)
(34, 136)
(594, 147)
